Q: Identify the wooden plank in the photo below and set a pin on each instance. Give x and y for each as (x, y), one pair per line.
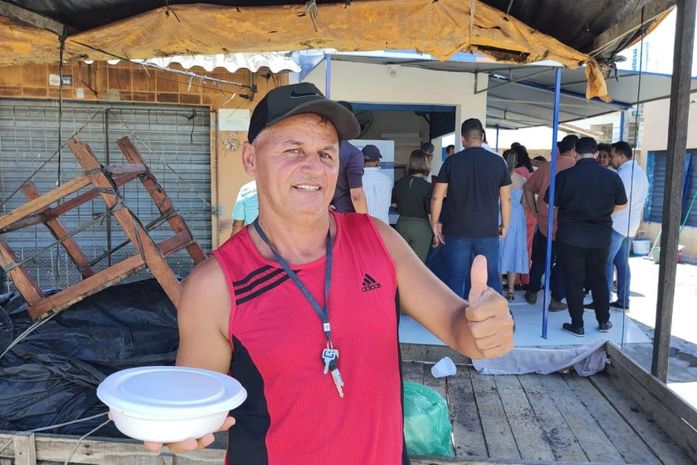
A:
(594, 442)
(678, 114)
(55, 448)
(98, 451)
(413, 371)
(22, 280)
(25, 449)
(678, 407)
(631, 23)
(662, 445)
(44, 201)
(529, 435)
(628, 444)
(160, 197)
(140, 239)
(59, 233)
(499, 438)
(102, 279)
(429, 353)
(658, 405)
(563, 442)
(23, 15)
(468, 436)
(55, 212)
(126, 169)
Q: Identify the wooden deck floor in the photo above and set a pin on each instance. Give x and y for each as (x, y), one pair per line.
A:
(547, 419)
(497, 420)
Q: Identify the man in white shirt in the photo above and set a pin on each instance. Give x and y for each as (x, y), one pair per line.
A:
(625, 223)
(376, 185)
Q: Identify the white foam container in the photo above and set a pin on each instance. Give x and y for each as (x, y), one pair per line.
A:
(169, 404)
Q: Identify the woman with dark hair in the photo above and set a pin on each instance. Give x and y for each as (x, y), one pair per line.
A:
(412, 198)
(525, 168)
(524, 164)
(513, 252)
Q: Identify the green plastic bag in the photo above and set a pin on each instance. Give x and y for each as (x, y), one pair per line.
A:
(427, 427)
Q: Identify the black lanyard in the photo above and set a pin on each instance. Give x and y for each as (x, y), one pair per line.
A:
(322, 313)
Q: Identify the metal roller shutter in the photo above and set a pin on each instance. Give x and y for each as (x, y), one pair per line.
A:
(173, 140)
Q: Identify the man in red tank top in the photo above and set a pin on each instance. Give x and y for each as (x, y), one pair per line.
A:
(300, 306)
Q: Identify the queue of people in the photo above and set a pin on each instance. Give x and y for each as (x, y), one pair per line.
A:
(497, 206)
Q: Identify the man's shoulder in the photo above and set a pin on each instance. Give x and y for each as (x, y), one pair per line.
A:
(346, 148)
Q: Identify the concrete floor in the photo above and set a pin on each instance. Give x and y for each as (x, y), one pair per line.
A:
(633, 330)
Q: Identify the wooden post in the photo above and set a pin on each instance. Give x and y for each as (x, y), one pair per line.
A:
(25, 449)
(59, 232)
(160, 197)
(672, 201)
(139, 237)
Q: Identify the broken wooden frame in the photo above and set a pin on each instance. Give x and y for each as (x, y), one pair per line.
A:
(105, 181)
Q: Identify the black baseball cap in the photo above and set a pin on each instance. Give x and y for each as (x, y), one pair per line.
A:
(371, 152)
(295, 99)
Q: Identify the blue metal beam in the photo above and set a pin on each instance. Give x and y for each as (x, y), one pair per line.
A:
(328, 76)
(550, 207)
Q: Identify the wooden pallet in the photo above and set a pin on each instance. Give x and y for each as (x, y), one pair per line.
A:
(104, 182)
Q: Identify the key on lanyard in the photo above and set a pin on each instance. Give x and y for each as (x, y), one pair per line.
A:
(329, 355)
(338, 381)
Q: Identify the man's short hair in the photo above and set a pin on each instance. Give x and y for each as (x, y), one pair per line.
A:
(428, 148)
(586, 145)
(624, 148)
(604, 148)
(471, 125)
(451, 146)
(567, 143)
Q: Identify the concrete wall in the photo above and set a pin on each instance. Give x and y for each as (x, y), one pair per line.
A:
(128, 82)
(655, 137)
(369, 83)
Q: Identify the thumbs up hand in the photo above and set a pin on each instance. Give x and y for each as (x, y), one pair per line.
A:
(489, 319)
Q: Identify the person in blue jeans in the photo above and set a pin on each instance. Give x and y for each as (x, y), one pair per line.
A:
(625, 223)
(477, 184)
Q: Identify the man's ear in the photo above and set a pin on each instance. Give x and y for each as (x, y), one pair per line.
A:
(249, 159)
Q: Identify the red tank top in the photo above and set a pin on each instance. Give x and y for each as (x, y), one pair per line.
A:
(293, 414)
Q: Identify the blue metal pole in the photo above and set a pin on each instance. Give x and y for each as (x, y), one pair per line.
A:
(497, 137)
(622, 125)
(328, 76)
(550, 209)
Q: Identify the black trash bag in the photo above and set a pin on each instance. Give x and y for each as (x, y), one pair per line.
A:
(51, 376)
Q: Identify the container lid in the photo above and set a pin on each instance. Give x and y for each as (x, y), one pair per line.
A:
(167, 392)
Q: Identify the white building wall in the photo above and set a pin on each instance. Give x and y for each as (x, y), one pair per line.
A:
(370, 83)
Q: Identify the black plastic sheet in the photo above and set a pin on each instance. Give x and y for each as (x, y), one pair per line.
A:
(51, 376)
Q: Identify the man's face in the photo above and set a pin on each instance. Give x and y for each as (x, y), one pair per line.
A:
(295, 163)
(604, 158)
(616, 158)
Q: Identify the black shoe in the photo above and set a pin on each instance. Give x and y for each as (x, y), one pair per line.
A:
(530, 297)
(618, 304)
(590, 306)
(571, 329)
(605, 327)
(556, 306)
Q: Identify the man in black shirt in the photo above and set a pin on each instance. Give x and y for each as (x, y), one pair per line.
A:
(474, 180)
(587, 195)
